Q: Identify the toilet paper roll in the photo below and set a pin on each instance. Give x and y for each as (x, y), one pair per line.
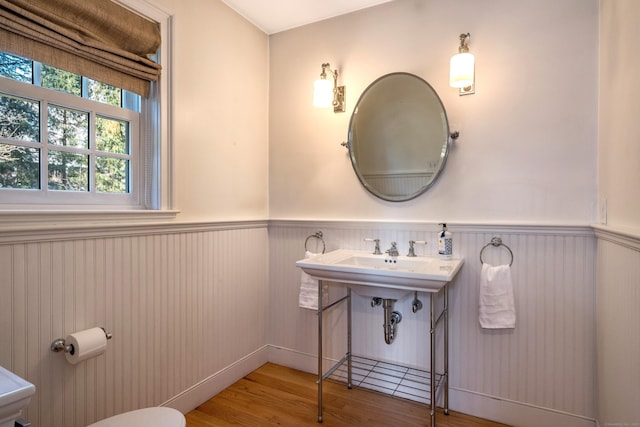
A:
(85, 345)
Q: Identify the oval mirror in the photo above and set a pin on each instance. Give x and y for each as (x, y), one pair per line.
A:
(398, 137)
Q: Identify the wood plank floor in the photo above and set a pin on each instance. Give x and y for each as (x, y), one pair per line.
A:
(274, 395)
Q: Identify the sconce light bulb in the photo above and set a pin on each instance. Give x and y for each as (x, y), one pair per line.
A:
(461, 70)
(323, 93)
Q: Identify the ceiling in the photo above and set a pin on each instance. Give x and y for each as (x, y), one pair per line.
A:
(273, 16)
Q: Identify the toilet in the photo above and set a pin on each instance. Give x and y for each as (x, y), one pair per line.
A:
(15, 394)
(147, 417)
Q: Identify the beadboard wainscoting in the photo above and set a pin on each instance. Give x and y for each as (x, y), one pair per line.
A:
(540, 373)
(618, 333)
(182, 304)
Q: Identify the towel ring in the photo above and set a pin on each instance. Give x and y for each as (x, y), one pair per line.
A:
(317, 235)
(496, 241)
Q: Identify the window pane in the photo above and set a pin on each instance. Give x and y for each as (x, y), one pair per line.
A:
(112, 135)
(62, 81)
(19, 118)
(19, 167)
(104, 93)
(131, 101)
(112, 175)
(16, 67)
(69, 128)
(68, 171)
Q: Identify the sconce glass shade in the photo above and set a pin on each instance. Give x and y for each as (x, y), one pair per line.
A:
(461, 70)
(323, 93)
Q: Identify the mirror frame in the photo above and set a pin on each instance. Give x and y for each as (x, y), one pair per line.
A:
(446, 144)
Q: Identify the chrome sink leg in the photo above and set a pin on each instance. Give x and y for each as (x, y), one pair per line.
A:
(320, 308)
(446, 349)
(432, 331)
(349, 364)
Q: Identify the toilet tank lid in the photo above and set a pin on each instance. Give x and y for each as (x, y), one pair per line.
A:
(147, 417)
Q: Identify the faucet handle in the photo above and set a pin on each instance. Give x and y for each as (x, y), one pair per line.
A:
(376, 250)
(412, 252)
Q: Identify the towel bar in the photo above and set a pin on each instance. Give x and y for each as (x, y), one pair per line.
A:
(496, 241)
(316, 235)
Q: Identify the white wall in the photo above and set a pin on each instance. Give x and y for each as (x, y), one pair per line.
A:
(618, 331)
(220, 89)
(180, 307)
(619, 130)
(527, 151)
(618, 279)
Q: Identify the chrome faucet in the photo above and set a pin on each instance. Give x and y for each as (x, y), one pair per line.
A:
(376, 250)
(412, 252)
(393, 250)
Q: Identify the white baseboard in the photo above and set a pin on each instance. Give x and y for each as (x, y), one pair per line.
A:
(478, 405)
(214, 384)
(511, 412)
(304, 362)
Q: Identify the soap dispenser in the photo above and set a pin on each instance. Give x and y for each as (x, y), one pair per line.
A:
(445, 242)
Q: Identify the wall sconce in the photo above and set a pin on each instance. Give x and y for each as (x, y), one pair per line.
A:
(325, 95)
(462, 68)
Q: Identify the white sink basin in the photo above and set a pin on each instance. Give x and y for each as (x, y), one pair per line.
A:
(15, 394)
(380, 275)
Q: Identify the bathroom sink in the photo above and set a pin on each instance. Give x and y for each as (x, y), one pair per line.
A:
(15, 394)
(380, 275)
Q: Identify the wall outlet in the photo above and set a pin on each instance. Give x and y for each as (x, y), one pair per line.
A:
(603, 210)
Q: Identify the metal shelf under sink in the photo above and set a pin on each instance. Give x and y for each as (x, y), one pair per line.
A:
(389, 378)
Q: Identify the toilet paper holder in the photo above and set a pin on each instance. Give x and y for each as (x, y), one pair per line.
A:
(59, 344)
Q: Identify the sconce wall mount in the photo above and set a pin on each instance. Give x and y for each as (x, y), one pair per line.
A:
(326, 95)
(462, 68)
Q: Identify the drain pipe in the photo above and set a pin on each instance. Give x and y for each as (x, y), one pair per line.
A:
(391, 319)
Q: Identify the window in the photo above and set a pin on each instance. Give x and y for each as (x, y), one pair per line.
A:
(65, 138)
(75, 145)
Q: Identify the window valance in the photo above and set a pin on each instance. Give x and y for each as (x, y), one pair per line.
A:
(98, 39)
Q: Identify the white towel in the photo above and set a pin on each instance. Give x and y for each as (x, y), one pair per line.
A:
(308, 297)
(497, 309)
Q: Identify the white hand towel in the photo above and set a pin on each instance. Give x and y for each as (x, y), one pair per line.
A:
(497, 308)
(308, 297)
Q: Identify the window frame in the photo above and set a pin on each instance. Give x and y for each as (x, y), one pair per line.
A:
(45, 196)
(156, 174)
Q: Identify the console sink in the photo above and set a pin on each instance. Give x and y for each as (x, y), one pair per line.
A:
(380, 275)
